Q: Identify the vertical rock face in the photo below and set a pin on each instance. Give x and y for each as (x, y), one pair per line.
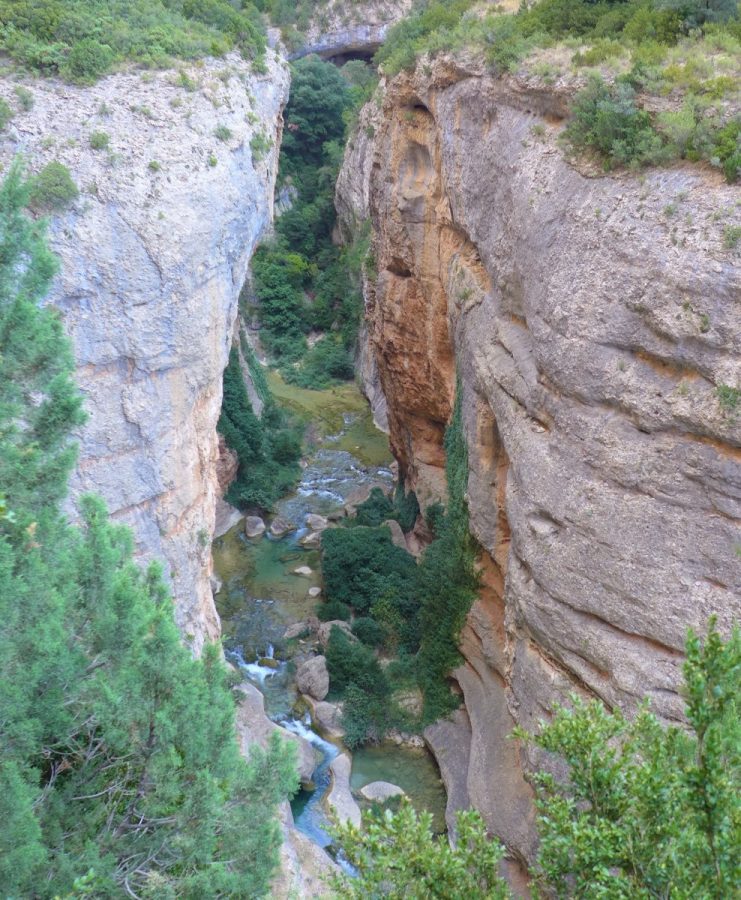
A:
(347, 30)
(590, 321)
(153, 255)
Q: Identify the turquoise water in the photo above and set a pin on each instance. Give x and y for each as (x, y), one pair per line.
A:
(413, 770)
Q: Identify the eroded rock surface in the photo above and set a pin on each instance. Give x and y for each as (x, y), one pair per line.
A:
(153, 255)
(590, 328)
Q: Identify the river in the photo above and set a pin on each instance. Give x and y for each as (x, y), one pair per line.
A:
(261, 596)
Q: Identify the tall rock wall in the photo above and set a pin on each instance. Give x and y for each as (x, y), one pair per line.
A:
(153, 256)
(589, 320)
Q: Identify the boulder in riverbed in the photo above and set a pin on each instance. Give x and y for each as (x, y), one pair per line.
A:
(312, 678)
(327, 717)
(254, 526)
(314, 591)
(340, 799)
(381, 791)
(311, 540)
(280, 526)
(303, 570)
(316, 522)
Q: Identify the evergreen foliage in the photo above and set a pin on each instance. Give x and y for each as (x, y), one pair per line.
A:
(81, 40)
(120, 772)
(303, 282)
(378, 508)
(417, 610)
(268, 448)
(643, 812)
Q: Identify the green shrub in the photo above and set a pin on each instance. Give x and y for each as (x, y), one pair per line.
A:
(88, 59)
(268, 448)
(100, 140)
(53, 188)
(25, 97)
(6, 114)
(82, 40)
(222, 133)
(154, 166)
(369, 632)
(729, 398)
(334, 609)
(260, 145)
(361, 564)
(731, 236)
(354, 670)
(375, 510)
(606, 119)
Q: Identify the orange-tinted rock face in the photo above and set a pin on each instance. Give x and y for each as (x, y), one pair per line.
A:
(604, 476)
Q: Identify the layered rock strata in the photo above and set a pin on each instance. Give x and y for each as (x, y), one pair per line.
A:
(589, 320)
(153, 256)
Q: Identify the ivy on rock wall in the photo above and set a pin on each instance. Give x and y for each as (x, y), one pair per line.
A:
(120, 772)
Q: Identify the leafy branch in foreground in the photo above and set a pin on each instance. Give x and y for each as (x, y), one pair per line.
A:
(645, 811)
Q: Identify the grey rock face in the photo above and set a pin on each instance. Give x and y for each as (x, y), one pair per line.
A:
(590, 329)
(312, 678)
(352, 29)
(153, 256)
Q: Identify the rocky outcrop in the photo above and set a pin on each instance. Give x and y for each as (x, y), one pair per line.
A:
(348, 30)
(153, 255)
(589, 320)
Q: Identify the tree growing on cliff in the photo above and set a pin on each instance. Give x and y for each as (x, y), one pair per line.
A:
(644, 812)
(119, 762)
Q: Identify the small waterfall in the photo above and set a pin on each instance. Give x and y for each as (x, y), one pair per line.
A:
(254, 670)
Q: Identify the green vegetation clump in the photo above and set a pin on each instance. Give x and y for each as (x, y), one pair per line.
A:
(355, 670)
(378, 508)
(81, 40)
(25, 97)
(303, 282)
(53, 189)
(415, 611)
(728, 397)
(268, 448)
(100, 140)
(6, 114)
(643, 811)
(605, 118)
(222, 133)
(120, 773)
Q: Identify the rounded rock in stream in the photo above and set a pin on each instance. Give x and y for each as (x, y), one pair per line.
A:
(280, 526)
(254, 526)
(316, 522)
(312, 678)
(303, 570)
(381, 791)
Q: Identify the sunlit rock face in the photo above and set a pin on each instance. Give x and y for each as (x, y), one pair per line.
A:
(153, 255)
(588, 329)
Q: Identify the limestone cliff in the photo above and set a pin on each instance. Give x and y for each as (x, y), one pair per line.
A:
(153, 255)
(339, 29)
(590, 319)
